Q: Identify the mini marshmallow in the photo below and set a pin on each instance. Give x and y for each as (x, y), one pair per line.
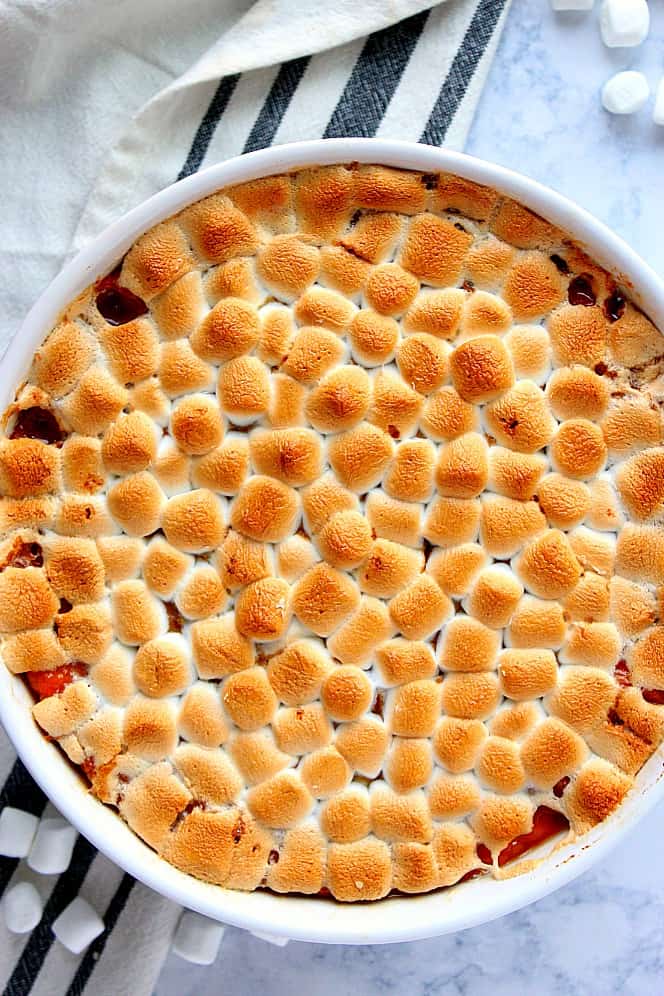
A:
(78, 925)
(658, 110)
(17, 831)
(625, 92)
(22, 908)
(279, 942)
(624, 23)
(572, 4)
(51, 850)
(197, 938)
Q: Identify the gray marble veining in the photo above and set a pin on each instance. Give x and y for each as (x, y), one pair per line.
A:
(602, 935)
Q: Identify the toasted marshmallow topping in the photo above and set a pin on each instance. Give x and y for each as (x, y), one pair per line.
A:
(339, 560)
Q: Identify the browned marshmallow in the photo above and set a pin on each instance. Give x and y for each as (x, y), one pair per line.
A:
(482, 369)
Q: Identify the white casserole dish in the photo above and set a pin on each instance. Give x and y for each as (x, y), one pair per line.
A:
(307, 918)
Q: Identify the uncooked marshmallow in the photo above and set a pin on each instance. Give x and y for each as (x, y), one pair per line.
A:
(78, 925)
(17, 831)
(624, 23)
(52, 847)
(197, 938)
(22, 908)
(625, 92)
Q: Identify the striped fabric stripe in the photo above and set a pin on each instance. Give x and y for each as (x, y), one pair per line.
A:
(98, 887)
(95, 951)
(461, 72)
(375, 78)
(415, 96)
(325, 76)
(21, 792)
(244, 108)
(364, 91)
(42, 937)
(209, 122)
(280, 95)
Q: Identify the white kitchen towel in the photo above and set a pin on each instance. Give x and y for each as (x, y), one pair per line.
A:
(103, 104)
(406, 79)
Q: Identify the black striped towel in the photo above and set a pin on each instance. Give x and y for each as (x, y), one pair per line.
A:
(416, 78)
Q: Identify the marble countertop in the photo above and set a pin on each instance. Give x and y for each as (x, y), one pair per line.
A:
(601, 935)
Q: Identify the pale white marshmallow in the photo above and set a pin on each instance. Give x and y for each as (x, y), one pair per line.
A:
(572, 4)
(658, 110)
(279, 942)
(625, 92)
(78, 925)
(17, 831)
(51, 849)
(22, 908)
(197, 938)
(624, 23)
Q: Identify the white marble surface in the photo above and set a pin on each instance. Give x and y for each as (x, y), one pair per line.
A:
(601, 935)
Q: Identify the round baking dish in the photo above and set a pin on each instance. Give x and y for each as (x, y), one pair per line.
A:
(308, 918)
